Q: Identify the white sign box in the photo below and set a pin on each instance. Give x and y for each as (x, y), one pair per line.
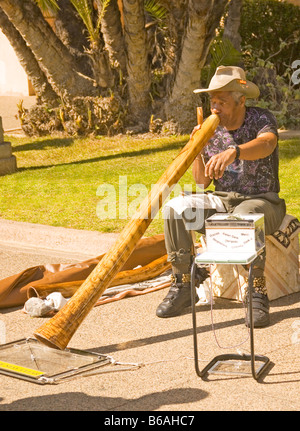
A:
(233, 238)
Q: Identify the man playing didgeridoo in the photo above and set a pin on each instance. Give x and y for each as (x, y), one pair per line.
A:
(242, 161)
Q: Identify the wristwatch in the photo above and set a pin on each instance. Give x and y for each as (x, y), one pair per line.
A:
(237, 149)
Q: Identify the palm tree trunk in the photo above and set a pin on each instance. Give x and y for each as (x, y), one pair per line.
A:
(42, 88)
(137, 62)
(111, 28)
(191, 61)
(200, 30)
(233, 22)
(176, 21)
(70, 29)
(213, 22)
(53, 57)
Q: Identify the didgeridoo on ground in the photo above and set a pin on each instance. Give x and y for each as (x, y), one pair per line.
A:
(58, 331)
(130, 276)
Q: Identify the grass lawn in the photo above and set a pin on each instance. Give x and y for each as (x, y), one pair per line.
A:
(60, 181)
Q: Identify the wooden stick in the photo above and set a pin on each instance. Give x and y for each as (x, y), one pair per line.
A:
(58, 331)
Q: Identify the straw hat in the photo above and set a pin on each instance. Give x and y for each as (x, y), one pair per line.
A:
(231, 78)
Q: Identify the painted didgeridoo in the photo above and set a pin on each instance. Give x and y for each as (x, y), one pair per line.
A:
(58, 331)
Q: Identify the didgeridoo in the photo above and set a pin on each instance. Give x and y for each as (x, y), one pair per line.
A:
(58, 331)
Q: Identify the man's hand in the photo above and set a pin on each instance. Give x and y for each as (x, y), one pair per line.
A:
(215, 167)
(198, 127)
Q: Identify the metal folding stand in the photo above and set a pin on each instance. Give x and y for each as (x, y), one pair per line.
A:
(227, 361)
(28, 359)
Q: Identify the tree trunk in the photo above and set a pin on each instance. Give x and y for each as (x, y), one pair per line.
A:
(176, 21)
(70, 29)
(111, 28)
(53, 57)
(232, 25)
(200, 30)
(137, 62)
(213, 22)
(42, 88)
(102, 71)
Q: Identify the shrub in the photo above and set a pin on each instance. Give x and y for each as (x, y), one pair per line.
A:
(270, 44)
(270, 28)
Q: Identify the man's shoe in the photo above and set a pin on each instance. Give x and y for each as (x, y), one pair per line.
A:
(260, 307)
(179, 296)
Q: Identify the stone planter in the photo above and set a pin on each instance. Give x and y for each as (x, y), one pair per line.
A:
(8, 162)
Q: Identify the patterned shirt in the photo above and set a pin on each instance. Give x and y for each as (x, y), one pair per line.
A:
(248, 177)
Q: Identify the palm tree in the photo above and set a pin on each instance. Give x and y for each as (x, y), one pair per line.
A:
(111, 28)
(71, 30)
(92, 19)
(138, 67)
(48, 49)
(193, 56)
(43, 89)
(147, 54)
(233, 22)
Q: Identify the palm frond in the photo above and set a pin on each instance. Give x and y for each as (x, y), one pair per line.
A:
(155, 9)
(85, 11)
(104, 4)
(223, 53)
(48, 5)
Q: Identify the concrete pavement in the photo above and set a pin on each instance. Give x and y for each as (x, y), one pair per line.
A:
(129, 331)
